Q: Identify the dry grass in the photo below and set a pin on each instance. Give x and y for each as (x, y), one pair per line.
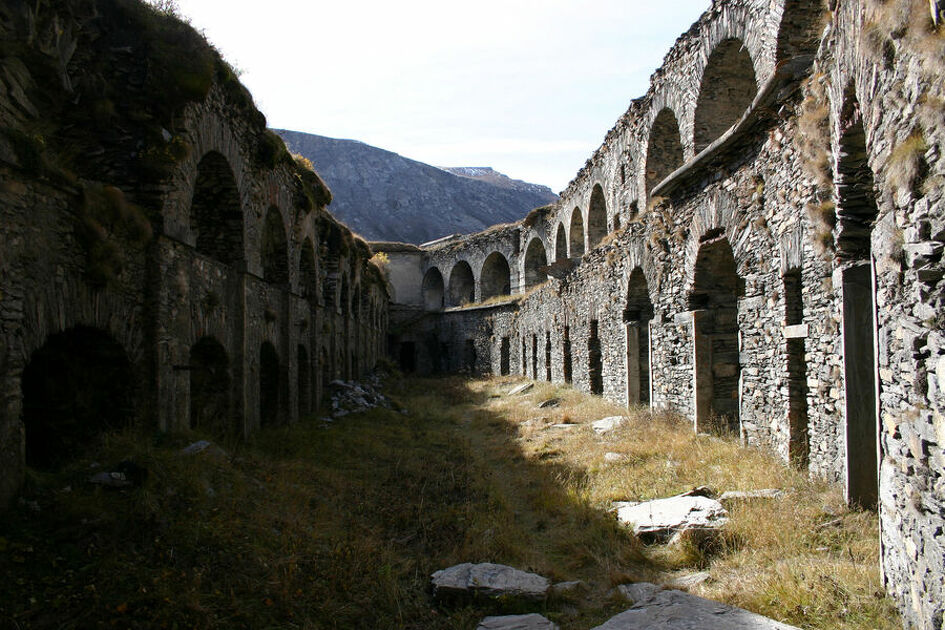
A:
(906, 167)
(908, 25)
(339, 526)
(823, 217)
(813, 125)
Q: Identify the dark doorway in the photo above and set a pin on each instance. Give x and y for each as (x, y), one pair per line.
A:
(504, 359)
(304, 382)
(714, 298)
(636, 317)
(269, 385)
(210, 388)
(77, 386)
(535, 357)
(548, 356)
(470, 356)
(566, 355)
(408, 357)
(798, 445)
(595, 363)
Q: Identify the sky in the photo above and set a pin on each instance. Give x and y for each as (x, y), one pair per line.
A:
(527, 87)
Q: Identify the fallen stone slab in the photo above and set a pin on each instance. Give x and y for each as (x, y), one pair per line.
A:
(733, 496)
(675, 610)
(203, 446)
(689, 580)
(521, 389)
(661, 518)
(606, 425)
(489, 580)
(551, 402)
(613, 458)
(563, 427)
(533, 621)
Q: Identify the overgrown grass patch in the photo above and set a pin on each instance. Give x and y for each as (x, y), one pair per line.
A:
(339, 525)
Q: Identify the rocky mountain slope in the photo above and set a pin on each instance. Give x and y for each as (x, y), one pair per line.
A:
(384, 196)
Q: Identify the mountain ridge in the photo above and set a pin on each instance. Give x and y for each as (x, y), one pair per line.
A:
(385, 196)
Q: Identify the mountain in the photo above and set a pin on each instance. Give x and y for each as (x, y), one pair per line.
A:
(386, 197)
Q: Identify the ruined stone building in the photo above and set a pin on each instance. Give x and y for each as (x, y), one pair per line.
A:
(163, 260)
(757, 244)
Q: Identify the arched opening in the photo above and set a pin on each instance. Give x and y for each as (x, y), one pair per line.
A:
(595, 360)
(308, 277)
(210, 388)
(576, 234)
(216, 213)
(664, 152)
(496, 276)
(714, 300)
(561, 243)
(535, 260)
(856, 214)
(798, 445)
(727, 91)
(596, 218)
(77, 386)
(636, 317)
(462, 284)
(275, 253)
(304, 382)
(269, 385)
(432, 290)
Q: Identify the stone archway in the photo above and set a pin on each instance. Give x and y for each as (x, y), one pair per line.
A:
(576, 234)
(210, 388)
(713, 301)
(636, 317)
(535, 260)
(596, 218)
(462, 284)
(432, 290)
(664, 152)
(76, 387)
(216, 211)
(496, 276)
(727, 90)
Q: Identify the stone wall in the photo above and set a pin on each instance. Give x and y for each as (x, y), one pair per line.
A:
(189, 238)
(772, 262)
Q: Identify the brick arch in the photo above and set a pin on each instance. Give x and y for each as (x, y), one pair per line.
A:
(717, 216)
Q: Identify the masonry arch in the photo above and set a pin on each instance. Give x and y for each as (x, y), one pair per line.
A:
(308, 275)
(77, 386)
(210, 387)
(596, 217)
(713, 301)
(636, 316)
(856, 214)
(274, 249)
(432, 290)
(495, 277)
(561, 243)
(270, 385)
(216, 212)
(664, 151)
(462, 284)
(576, 234)
(728, 87)
(535, 260)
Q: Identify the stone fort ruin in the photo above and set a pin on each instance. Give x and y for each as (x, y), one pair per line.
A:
(757, 244)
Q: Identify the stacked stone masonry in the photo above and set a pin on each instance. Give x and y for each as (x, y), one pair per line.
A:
(757, 244)
(239, 305)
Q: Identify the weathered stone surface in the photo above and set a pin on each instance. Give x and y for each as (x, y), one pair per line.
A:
(532, 621)
(638, 591)
(551, 402)
(675, 610)
(733, 496)
(520, 389)
(661, 517)
(613, 458)
(606, 425)
(489, 580)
